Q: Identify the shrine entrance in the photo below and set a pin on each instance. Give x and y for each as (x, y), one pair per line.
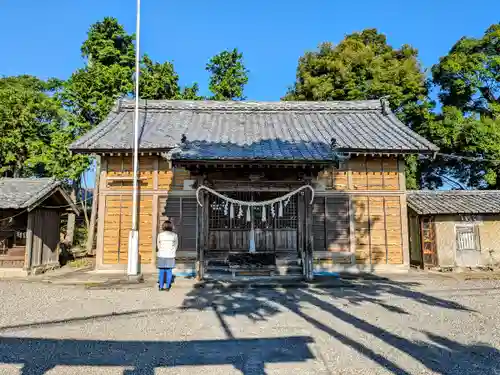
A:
(254, 241)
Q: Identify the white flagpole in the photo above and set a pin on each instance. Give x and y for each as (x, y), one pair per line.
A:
(133, 243)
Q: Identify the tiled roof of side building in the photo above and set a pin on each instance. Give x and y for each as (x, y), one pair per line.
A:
(255, 130)
(454, 202)
(18, 193)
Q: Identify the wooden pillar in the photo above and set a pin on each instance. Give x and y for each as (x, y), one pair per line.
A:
(29, 241)
(101, 212)
(155, 227)
(41, 228)
(202, 233)
(404, 214)
(352, 229)
(301, 229)
(308, 235)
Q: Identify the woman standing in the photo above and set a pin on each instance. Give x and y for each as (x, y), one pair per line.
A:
(166, 247)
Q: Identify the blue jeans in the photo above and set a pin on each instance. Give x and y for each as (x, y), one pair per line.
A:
(165, 276)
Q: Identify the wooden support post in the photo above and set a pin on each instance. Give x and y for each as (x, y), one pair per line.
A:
(404, 214)
(206, 212)
(352, 229)
(29, 241)
(202, 236)
(93, 215)
(308, 235)
(101, 211)
(301, 230)
(40, 233)
(156, 224)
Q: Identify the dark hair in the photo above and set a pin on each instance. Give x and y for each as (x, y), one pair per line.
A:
(167, 226)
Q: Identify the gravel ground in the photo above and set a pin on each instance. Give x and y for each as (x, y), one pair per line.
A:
(428, 326)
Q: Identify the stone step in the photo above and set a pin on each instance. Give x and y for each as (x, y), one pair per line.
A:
(249, 272)
(252, 279)
(278, 262)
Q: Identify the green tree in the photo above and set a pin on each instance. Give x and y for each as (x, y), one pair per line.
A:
(109, 44)
(90, 92)
(363, 66)
(160, 81)
(191, 92)
(29, 117)
(468, 78)
(228, 75)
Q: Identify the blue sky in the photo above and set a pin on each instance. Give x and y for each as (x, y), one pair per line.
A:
(43, 37)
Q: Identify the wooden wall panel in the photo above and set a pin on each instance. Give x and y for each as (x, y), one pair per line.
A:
(391, 174)
(394, 230)
(117, 225)
(165, 175)
(374, 174)
(357, 166)
(362, 229)
(333, 178)
(378, 230)
(171, 179)
(122, 166)
(179, 176)
(370, 173)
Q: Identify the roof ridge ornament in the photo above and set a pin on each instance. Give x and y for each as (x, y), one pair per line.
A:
(177, 148)
(384, 102)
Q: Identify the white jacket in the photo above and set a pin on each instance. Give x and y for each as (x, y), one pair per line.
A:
(167, 243)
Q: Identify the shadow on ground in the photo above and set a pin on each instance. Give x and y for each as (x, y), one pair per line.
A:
(250, 356)
(39, 355)
(438, 354)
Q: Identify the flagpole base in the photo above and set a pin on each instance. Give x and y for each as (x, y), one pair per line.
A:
(133, 254)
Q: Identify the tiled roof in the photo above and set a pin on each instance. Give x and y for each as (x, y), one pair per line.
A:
(454, 202)
(19, 193)
(255, 130)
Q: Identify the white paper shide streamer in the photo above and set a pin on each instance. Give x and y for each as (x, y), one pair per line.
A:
(280, 202)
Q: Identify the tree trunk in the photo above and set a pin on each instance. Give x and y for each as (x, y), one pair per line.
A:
(93, 215)
(85, 208)
(70, 227)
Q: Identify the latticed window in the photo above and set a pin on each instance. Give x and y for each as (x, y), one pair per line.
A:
(233, 234)
(182, 211)
(467, 237)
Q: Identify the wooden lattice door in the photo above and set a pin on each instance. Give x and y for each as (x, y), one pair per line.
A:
(233, 234)
(428, 236)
